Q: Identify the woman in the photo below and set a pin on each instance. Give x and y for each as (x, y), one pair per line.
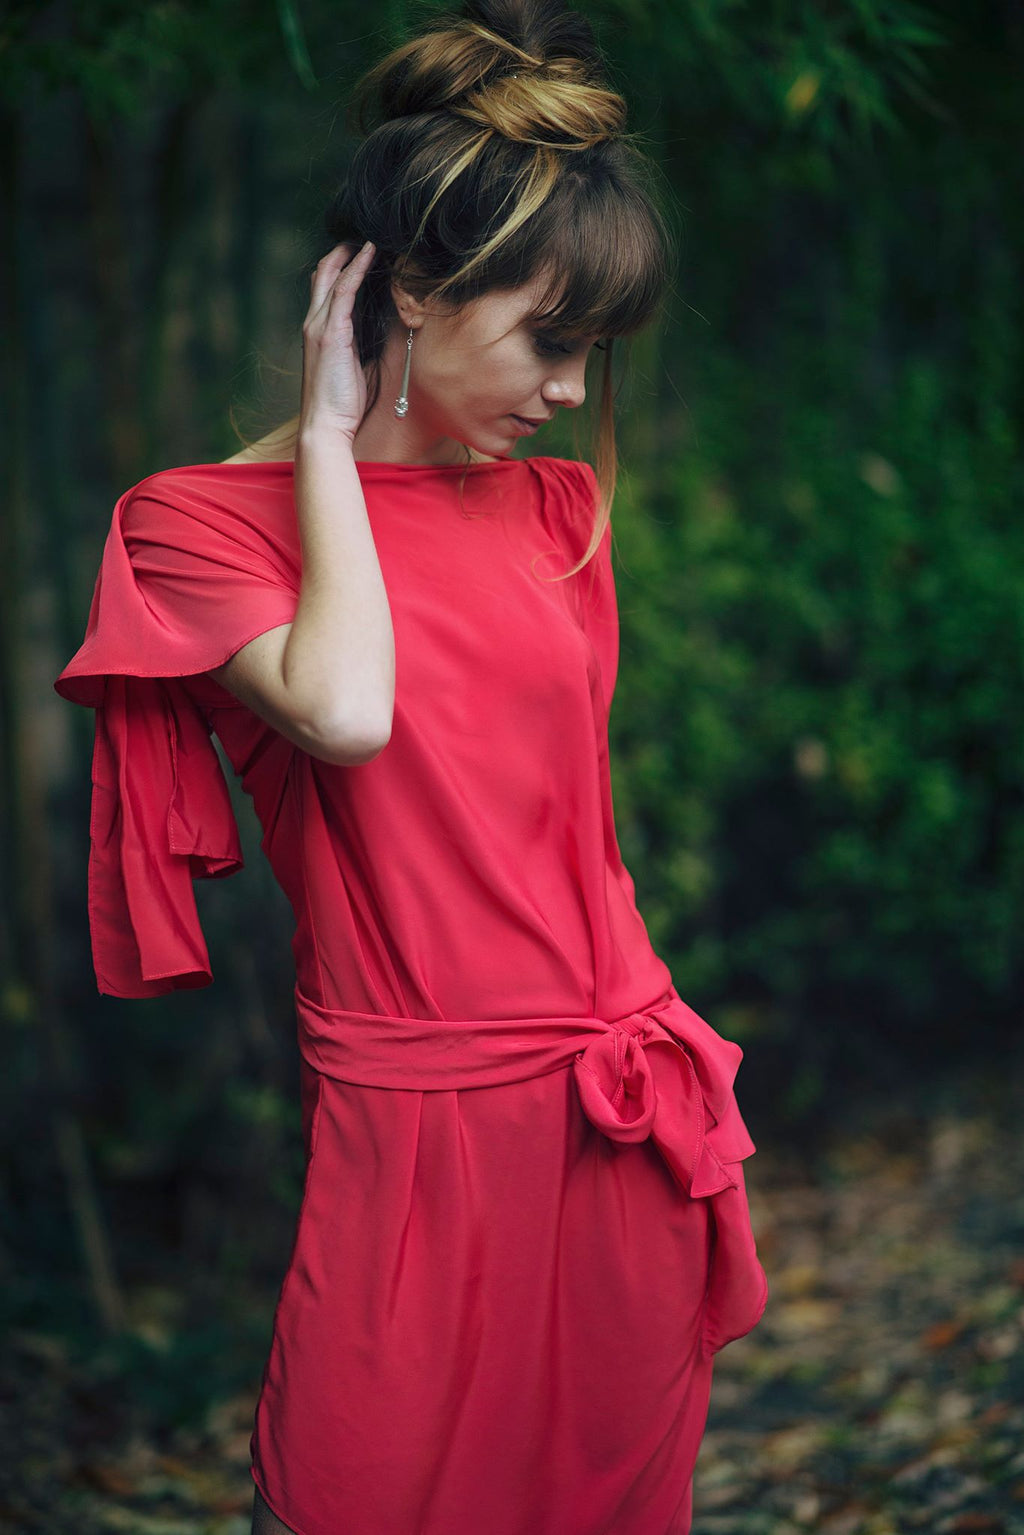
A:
(524, 1231)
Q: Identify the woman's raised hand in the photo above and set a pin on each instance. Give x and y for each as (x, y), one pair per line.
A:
(333, 383)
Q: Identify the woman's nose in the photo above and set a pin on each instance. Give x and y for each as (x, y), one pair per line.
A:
(566, 388)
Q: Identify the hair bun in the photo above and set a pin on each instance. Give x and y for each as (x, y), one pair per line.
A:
(553, 105)
(527, 69)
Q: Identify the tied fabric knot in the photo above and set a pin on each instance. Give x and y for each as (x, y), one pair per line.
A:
(637, 1080)
(662, 1073)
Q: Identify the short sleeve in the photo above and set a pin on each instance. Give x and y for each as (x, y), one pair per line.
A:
(186, 578)
(598, 597)
(570, 498)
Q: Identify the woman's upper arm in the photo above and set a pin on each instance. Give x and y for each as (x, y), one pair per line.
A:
(255, 676)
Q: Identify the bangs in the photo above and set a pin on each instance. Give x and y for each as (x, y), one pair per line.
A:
(606, 253)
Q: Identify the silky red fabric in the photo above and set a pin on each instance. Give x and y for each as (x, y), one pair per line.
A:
(524, 1231)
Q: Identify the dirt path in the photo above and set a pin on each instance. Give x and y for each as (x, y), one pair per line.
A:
(884, 1390)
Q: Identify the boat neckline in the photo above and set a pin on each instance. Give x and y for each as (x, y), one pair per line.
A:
(361, 463)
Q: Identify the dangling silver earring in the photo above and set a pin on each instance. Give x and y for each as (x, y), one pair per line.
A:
(402, 403)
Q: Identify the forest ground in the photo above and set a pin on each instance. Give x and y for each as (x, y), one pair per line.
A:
(882, 1393)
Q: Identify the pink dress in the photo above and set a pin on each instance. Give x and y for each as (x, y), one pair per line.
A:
(524, 1231)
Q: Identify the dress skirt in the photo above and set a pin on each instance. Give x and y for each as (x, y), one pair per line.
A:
(502, 1305)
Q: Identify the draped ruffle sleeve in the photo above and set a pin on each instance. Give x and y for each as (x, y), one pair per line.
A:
(185, 580)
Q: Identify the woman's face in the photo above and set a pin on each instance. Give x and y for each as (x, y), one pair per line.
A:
(477, 376)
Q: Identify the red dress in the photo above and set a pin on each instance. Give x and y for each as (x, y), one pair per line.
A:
(524, 1231)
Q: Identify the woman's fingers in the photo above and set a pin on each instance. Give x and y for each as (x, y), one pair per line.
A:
(346, 284)
(324, 273)
(331, 271)
(333, 383)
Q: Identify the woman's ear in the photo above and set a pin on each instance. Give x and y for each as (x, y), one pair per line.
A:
(411, 310)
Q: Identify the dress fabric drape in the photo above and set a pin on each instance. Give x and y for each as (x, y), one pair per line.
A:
(524, 1231)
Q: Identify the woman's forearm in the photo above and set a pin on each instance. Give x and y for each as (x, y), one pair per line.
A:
(338, 664)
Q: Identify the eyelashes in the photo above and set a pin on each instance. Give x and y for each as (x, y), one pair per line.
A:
(550, 348)
(554, 348)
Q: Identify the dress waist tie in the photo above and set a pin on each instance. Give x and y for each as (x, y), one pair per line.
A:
(661, 1072)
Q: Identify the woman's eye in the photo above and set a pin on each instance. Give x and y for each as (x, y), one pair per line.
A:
(550, 348)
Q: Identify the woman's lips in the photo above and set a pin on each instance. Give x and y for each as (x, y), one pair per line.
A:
(524, 425)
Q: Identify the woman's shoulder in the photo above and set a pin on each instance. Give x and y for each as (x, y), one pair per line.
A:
(575, 470)
(567, 502)
(570, 486)
(212, 512)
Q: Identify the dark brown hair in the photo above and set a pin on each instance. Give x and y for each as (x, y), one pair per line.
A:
(494, 152)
